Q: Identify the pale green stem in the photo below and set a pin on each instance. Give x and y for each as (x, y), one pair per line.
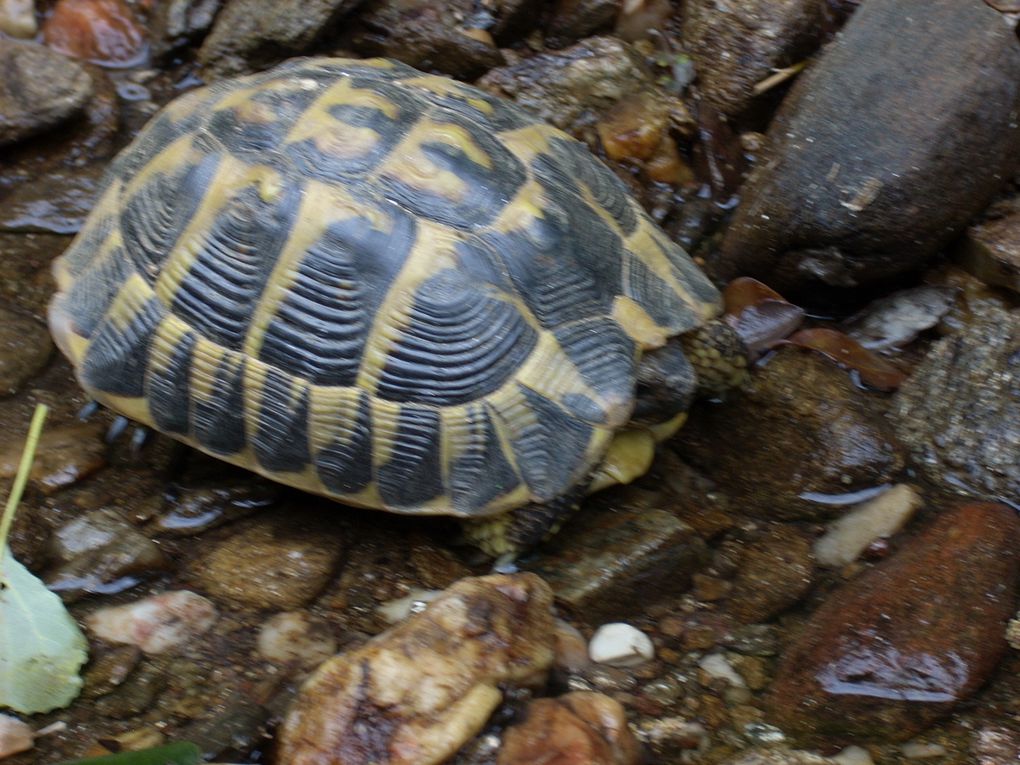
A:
(24, 467)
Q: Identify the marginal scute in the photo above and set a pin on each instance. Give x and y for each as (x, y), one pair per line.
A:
(281, 435)
(480, 470)
(218, 415)
(538, 428)
(117, 358)
(167, 384)
(413, 474)
(344, 464)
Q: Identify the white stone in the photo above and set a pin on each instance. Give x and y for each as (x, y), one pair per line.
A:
(716, 665)
(875, 519)
(620, 645)
(155, 624)
(17, 18)
(853, 755)
(294, 637)
(414, 602)
(920, 750)
(15, 736)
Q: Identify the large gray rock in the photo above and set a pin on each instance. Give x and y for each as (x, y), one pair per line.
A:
(252, 34)
(959, 413)
(884, 149)
(39, 89)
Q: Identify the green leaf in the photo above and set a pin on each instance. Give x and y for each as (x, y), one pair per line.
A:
(41, 646)
(179, 753)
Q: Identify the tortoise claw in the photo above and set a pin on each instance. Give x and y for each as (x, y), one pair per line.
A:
(88, 411)
(116, 429)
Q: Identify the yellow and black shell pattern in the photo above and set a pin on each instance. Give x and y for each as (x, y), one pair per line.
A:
(374, 284)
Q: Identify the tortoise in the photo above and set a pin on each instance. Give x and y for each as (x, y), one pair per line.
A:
(392, 289)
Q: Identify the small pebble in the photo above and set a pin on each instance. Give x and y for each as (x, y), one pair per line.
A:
(17, 18)
(415, 601)
(295, 636)
(921, 750)
(620, 645)
(716, 665)
(15, 736)
(571, 648)
(853, 755)
(876, 519)
(155, 624)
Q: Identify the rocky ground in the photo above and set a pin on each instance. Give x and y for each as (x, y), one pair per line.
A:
(818, 569)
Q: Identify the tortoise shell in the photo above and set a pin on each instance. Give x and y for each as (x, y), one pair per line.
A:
(374, 284)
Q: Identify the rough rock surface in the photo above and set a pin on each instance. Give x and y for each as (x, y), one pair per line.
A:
(39, 89)
(426, 34)
(992, 250)
(573, 19)
(898, 647)
(571, 88)
(959, 413)
(174, 23)
(735, 45)
(601, 558)
(580, 728)
(816, 439)
(66, 454)
(908, 116)
(254, 34)
(277, 560)
(415, 693)
(775, 572)
(25, 348)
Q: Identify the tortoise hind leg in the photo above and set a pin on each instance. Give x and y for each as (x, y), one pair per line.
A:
(509, 535)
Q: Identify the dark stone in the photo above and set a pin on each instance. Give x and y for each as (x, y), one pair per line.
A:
(959, 413)
(799, 441)
(608, 563)
(895, 649)
(254, 34)
(39, 89)
(427, 34)
(884, 149)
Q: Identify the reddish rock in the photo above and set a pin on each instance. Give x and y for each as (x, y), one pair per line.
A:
(580, 728)
(895, 649)
(101, 31)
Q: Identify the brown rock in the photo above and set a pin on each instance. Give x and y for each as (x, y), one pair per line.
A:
(414, 694)
(25, 349)
(809, 439)
(737, 45)
(991, 250)
(571, 88)
(38, 90)
(884, 149)
(101, 31)
(895, 649)
(66, 454)
(775, 572)
(277, 560)
(580, 728)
